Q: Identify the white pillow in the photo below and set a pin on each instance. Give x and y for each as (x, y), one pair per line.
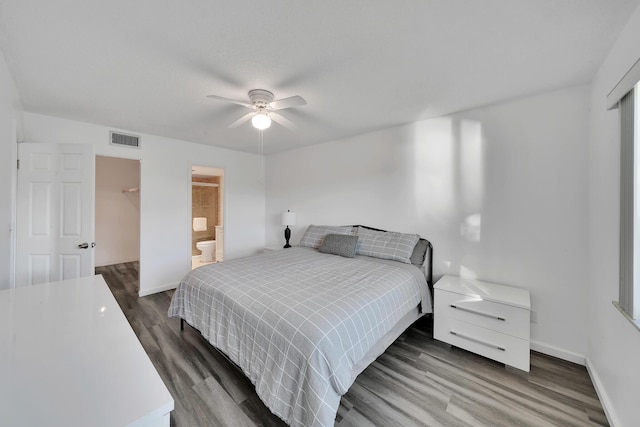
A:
(315, 234)
(386, 244)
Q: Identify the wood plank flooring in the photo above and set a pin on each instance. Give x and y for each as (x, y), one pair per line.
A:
(417, 382)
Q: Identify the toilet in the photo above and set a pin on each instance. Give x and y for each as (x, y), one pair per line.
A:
(208, 248)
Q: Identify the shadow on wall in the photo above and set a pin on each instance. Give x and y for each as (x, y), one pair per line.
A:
(449, 186)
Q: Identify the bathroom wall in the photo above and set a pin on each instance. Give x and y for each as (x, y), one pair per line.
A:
(205, 204)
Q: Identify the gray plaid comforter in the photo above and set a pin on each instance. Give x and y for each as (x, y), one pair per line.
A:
(297, 321)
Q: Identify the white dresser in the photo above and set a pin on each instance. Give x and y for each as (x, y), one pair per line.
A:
(485, 318)
(68, 357)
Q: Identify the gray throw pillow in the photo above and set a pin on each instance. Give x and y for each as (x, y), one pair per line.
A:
(339, 244)
(419, 253)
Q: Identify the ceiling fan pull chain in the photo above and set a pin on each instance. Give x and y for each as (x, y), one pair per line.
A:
(262, 168)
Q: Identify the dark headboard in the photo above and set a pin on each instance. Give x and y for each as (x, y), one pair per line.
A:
(428, 258)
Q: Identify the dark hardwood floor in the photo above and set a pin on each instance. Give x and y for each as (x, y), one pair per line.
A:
(416, 382)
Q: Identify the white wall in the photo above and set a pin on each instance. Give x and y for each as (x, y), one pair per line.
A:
(165, 194)
(500, 192)
(613, 343)
(10, 124)
(117, 212)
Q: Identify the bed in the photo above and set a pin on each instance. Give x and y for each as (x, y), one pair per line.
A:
(302, 323)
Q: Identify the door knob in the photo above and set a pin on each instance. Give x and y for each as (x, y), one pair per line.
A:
(84, 245)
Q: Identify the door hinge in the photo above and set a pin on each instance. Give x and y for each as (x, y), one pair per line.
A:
(18, 163)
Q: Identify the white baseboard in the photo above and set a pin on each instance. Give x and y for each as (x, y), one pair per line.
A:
(144, 293)
(558, 352)
(602, 395)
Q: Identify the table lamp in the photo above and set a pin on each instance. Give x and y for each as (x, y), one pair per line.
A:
(288, 218)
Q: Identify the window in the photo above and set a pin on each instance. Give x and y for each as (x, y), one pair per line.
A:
(625, 96)
(629, 296)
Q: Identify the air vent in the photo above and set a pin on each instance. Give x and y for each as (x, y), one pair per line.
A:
(125, 140)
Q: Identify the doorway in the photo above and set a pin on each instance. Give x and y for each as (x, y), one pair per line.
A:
(207, 215)
(117, 201)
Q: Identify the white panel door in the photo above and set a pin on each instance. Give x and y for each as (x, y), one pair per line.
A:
(55, 213)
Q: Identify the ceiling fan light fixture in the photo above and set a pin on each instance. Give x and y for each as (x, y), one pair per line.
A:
(261, 121)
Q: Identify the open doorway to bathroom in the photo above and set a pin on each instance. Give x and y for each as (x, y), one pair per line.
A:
(207, 215)
(117, 199)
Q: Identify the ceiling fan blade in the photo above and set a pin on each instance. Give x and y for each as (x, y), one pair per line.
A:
(222, 98)
(281, 120)
(241, 120)
(292, 101)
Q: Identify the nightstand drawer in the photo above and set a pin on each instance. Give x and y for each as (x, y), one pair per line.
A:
(501, 318)
(489, 343)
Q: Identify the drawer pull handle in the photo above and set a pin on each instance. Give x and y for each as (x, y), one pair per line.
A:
(492, 316)
(488, 344)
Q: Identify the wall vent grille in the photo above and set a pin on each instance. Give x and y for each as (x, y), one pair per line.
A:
(124, 140)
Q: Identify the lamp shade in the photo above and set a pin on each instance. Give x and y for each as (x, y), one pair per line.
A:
(288, 218)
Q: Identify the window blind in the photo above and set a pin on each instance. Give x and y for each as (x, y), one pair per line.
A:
(629, 253)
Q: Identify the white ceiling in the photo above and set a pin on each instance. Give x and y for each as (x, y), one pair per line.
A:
(361, 65)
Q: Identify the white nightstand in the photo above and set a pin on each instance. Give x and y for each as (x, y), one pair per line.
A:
(485, 318)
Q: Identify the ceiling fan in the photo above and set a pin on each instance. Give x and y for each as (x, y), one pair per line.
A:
(264, 109)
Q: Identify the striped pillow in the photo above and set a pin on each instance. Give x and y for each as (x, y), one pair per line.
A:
(386, 244)
(315, 234)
